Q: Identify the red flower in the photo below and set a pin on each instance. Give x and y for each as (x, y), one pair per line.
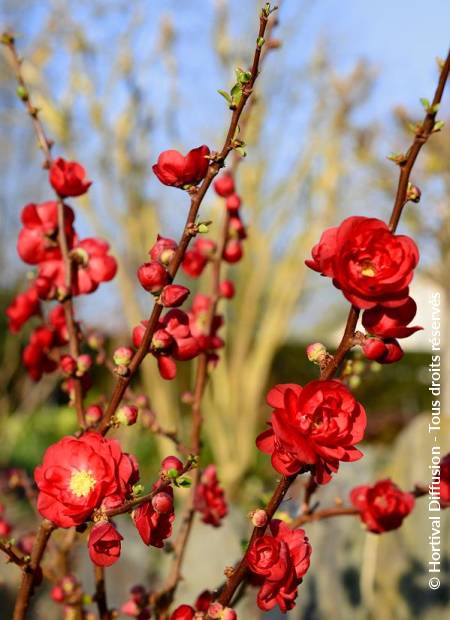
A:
(163, 250)
(317, 425)
(153, 276)
(280, 560)
(369, 263)
(226, 289)
(171, 341)
(233, 251)
(23, 306)
(233, 203)
(68, 178)
(94, 265)
(38, 238)
(208, 340)
(178, 170)
(183, 612)
(35, 356)
(197, 257)
(154, 527)
(104, 544)
(174, 295)
(210, 498)
(224, 185)
(383, 351)
(391, 322)
(77, 475)
(444, 483)
(383, 506)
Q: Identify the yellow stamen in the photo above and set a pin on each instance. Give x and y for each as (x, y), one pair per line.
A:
(81, 483)
(368, 270)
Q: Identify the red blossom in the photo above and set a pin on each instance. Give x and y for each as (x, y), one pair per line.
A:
(178, 170)
(174, 295)
(197, 257)
(78, 474)
(383, 351)
(210, 498)
(280, 560)
(153, 276)
(224, 185)
(38, 238)
(383, 506)
(153, 526)
(163, 250)
(104, 544)
(233, 251)
(314, 426)
(68, 178)
(208, 340)
(36, 355)
(370, 264)
(23, 307)
(183, 612)
(388, 322)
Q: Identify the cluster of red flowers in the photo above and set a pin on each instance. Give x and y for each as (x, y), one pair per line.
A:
(80, 479)
(373, 267)
(210, 498)
(39, 245)
(279, 561)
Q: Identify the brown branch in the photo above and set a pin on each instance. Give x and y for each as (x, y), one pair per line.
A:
(45, 144)
(164, 597)
(14, 554)
(31, 571)
(100, 593)
(197, 195)
(423, 132)
(240, 573)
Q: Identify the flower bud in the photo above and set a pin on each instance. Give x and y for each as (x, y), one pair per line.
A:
(173, 295)
(127, 415)
(69, 584)
(5, 528)
(316, 352)
(94, 414)
(414, 193)
(233, 203)
(226, 289)
(228, 614)
(162, 503)
(163, 250)
(161, 340)
(374, 349)
(84, 362)
(233, 251)
(57, 594)
(153, 276)
(224, 185)
(172, 462)
(123, 356)
(259, 518)
(215, 610)
(68, 365)
(95, 341)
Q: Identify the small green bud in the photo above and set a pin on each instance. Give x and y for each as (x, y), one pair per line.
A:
(203, 228)
(22, 93)
(260, 42)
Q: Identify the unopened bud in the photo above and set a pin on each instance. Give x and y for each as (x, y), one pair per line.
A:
(259, 518)
(123, 356)
(127, 415)
(414, 193)
(94, 414)
(316, 352)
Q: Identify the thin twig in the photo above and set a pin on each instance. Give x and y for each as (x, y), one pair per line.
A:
(346, 343)
(100, 593)
(14, 554)
(197, 195)
(31, 571)
(406, 164)
(45, 144)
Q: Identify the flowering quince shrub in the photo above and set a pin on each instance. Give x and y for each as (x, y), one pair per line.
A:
(86, 481)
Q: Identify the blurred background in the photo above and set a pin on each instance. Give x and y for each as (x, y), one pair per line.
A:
(118, 82)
